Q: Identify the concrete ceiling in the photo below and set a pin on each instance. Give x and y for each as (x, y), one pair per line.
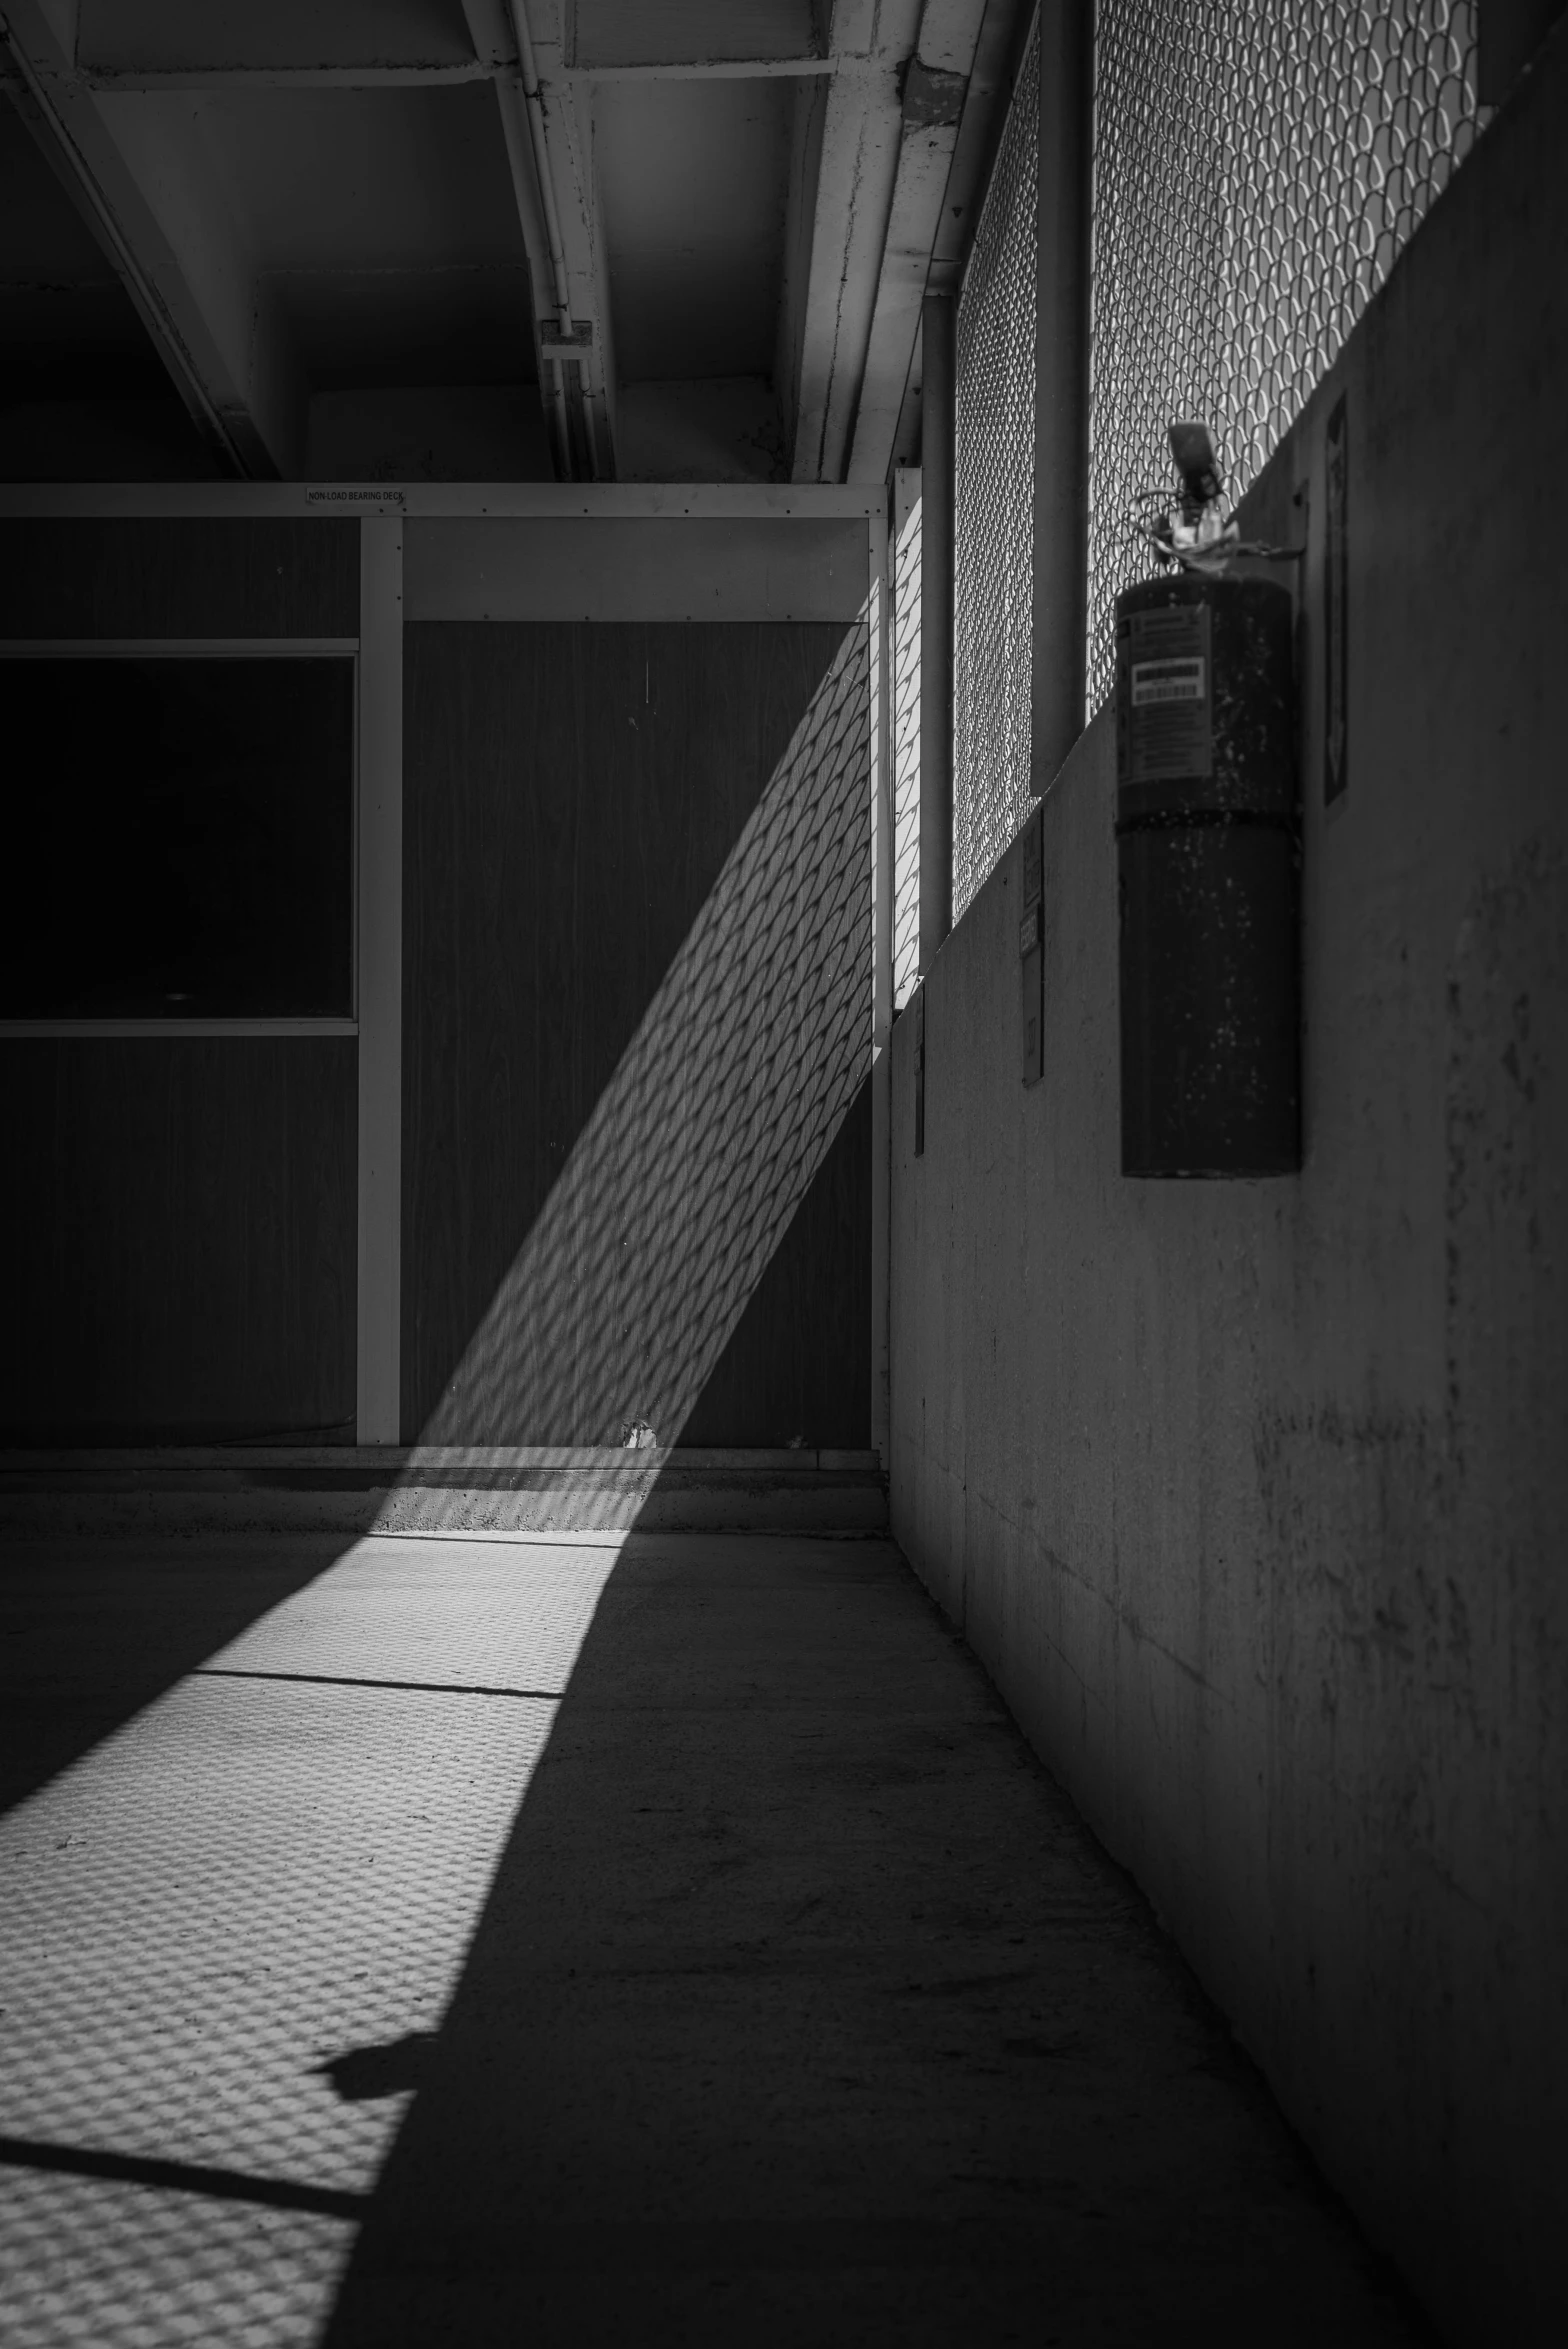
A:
(692, 183)
(634, 238)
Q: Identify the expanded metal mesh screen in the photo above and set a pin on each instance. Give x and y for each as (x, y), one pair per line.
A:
(1258, 165)
(906, 760)
(994, 506)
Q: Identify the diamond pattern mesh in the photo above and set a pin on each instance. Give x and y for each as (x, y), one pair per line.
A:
(994, 506)
(906, 760)
(1257, 169)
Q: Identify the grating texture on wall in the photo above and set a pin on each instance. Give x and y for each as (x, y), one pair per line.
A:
(1257, 169)
(678, 1190)
(906, 759)
(994, 505)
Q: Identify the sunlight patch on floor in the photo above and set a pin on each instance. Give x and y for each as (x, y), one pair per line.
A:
(276, 1867)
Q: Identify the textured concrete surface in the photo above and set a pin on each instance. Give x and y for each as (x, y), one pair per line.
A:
(1252, 1496)
(361, 1986)
(436, 1488)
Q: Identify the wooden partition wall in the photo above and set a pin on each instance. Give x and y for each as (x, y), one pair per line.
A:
(597, 1135)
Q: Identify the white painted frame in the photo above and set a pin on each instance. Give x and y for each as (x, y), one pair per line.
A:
(381, 509)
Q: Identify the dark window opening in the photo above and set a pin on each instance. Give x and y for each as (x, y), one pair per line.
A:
(180, 838)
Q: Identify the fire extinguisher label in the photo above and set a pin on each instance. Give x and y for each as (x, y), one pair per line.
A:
(1154, 681)
(1167, 730)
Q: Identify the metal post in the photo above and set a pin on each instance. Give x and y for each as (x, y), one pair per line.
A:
(1061, 409)
(938, 318)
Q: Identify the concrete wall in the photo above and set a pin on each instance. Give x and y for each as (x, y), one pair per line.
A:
(1252, 1496)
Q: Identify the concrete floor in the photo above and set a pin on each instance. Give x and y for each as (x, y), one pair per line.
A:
(658, 1940)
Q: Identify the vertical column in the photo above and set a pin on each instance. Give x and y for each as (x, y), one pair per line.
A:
(879, 603)
(380, 977)
(937, 327)
(1061, 376)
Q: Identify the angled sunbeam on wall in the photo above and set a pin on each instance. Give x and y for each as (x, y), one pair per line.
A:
(685, 1176)
(230, 1933)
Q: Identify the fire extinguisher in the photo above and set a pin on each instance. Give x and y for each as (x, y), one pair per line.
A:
(1208, 851)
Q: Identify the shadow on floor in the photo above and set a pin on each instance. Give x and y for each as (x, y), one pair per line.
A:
(803, 2009)
(92, 1631)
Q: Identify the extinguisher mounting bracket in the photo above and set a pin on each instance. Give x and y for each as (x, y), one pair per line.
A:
(1192, 533)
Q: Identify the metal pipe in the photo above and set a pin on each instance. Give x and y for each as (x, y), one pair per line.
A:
(534, 100)
(530, 212)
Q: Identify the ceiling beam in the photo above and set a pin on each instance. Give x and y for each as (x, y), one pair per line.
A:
(936, 88)
(551, 158)
(496, 52)
(704, 69)
(379, 75)
(1003, 37)
(828, 310)
(155, 213)
(906, 135)
(567, 108)
(370, 76)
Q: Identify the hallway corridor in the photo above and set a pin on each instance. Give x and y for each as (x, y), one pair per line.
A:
(647, 1939)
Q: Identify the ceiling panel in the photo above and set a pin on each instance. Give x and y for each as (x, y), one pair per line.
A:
(693, 182)
(65, 318)
(656, 32)
(175, 36)
(379, 328)
(42, 235)
(328, 179)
